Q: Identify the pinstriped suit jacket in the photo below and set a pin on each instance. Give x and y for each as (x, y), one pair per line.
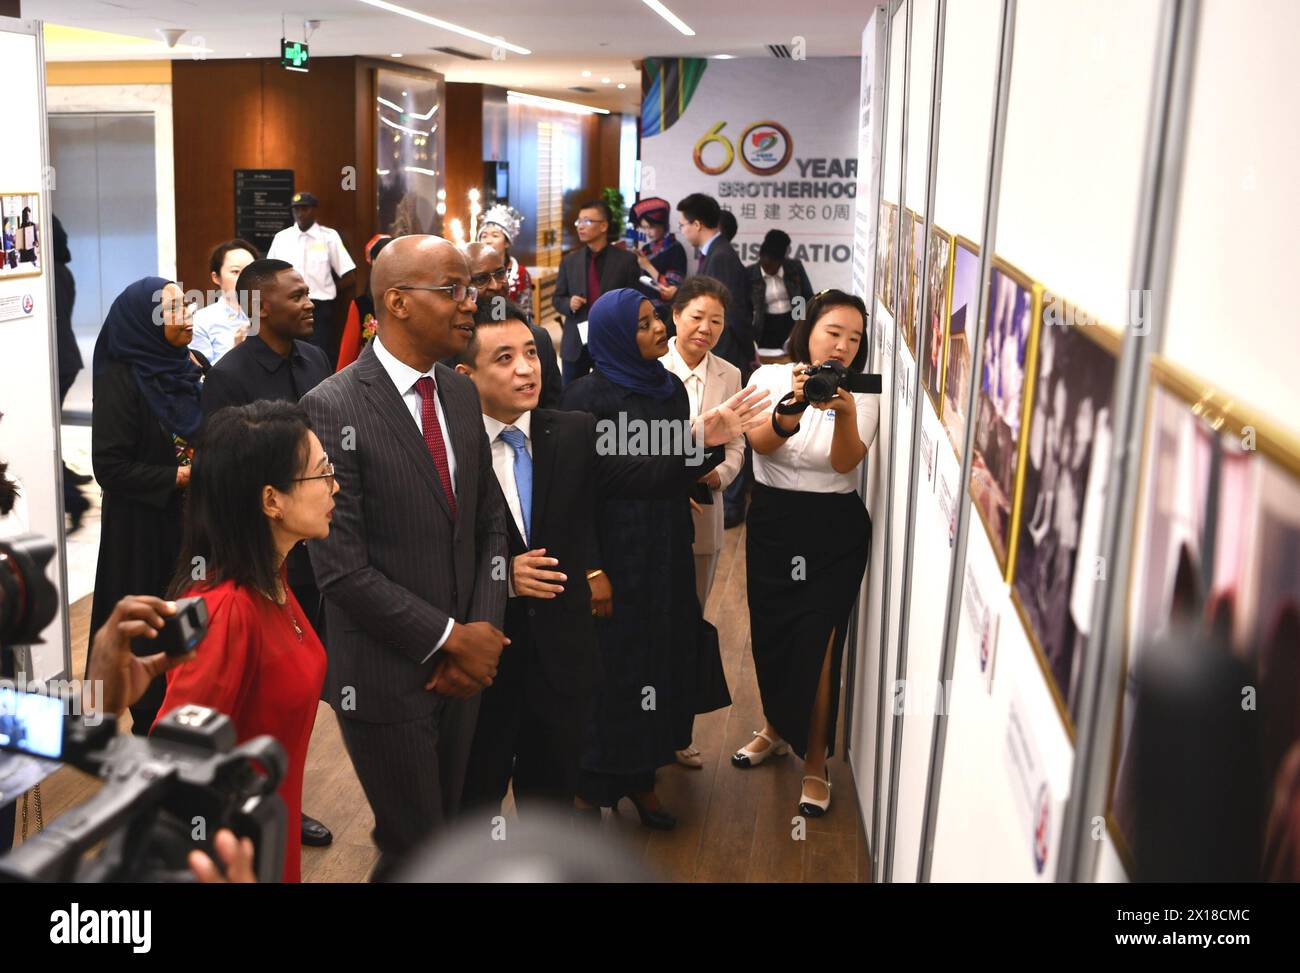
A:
(395, 566)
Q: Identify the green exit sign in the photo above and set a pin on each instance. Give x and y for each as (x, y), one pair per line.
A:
(293, 55)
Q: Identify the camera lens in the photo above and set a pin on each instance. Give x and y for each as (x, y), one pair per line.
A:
(28, 599)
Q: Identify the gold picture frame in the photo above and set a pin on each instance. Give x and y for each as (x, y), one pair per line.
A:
(1004, 549)
(1225, 416)
(935, 395)
(1109, 341)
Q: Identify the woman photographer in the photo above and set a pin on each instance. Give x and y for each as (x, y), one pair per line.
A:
(261, 484)
(808, 540)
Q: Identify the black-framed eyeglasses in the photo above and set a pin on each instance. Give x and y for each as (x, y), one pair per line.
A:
(501, 273)
(459, 292)
(327, 475)
(586, 222)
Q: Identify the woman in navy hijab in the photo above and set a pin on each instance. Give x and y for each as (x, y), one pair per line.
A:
(146, 413)
(648, 617)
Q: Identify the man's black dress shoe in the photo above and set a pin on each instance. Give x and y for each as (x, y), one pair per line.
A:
(314, 833)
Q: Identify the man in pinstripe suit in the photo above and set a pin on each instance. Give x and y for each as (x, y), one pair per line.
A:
(413, 571)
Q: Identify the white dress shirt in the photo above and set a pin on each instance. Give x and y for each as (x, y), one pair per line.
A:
(775, 293)
(693, 378)
(803, 462)
(215, 327)
(317, 253)
(404, 378)
(503, 462)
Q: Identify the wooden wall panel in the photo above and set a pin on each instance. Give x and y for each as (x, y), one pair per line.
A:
(464, 170)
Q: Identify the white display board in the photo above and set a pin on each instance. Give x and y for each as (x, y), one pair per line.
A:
(883, 641)
(1225, 323)
(1067, 214)
(929, 535)
(29, 431)
(866, 669)
(771, 140)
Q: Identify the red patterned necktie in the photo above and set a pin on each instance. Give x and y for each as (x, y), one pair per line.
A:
(433, 437)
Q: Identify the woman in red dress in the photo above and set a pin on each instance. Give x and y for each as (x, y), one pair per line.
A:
(261, 483)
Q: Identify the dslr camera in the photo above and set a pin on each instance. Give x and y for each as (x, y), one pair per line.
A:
(825, 381)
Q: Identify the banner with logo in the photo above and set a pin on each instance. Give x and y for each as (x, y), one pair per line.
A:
(774, 140)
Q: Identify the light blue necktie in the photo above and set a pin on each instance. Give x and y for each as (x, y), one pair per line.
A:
(514, 438)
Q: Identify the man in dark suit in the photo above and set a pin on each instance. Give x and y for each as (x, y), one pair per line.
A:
(551, 474)
(698, 220)
(276, 362)
(413, 569)
(775, 281)
(488, 273)
(585, 274)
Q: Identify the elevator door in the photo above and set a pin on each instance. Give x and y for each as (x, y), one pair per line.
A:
(104, 194)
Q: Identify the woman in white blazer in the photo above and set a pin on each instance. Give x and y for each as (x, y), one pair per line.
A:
(699, 314)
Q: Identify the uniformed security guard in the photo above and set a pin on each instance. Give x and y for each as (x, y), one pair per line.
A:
(316, 252)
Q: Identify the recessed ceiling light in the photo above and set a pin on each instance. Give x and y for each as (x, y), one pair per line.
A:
(604, 80)
(403, 94)
(663, 12)
(723, 57)
(586, 74)
(621, 86)
(445, 25)
(394, 55)
(248, 54)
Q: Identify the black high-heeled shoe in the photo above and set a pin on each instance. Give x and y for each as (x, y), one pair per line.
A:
(659, 820)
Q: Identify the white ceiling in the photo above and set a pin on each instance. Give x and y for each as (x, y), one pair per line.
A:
(565, 36)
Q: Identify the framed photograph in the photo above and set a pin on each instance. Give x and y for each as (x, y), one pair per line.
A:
(20, 230)
(964, 293)
(1005, 392)
(885, 238)
(1062, 492)
(903, 272)
(933, 329)
(913, 318)
(1216, 549)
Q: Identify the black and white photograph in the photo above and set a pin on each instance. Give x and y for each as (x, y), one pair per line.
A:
(1064, 485)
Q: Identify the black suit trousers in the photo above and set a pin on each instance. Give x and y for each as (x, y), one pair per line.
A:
(537, 745)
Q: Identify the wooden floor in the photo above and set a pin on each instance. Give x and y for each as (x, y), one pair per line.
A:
(734, 825)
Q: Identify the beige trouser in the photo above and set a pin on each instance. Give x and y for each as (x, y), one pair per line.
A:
(705, 566)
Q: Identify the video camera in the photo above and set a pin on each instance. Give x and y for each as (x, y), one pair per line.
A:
(162, 796)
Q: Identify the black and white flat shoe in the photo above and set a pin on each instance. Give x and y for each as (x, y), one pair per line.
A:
(746, 758)
(811, 807)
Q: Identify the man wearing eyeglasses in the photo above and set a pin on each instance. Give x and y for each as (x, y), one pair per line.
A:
(585, 274)
(414, 568)
(278, 362)
(489, 274)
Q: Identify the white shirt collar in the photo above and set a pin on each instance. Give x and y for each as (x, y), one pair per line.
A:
(780, 271)
(402, 374)
(310, 231)
(707, 244)
(683, 370)
(494, 426)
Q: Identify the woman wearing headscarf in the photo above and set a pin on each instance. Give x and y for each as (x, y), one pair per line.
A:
(361, 324)
(146, 413)
(648, 619)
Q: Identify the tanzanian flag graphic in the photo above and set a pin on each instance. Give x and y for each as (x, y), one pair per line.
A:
(667, 85)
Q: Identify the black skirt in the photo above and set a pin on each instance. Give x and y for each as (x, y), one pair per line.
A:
(805, 555)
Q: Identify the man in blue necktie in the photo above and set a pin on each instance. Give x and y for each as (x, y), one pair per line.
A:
(532, 718)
